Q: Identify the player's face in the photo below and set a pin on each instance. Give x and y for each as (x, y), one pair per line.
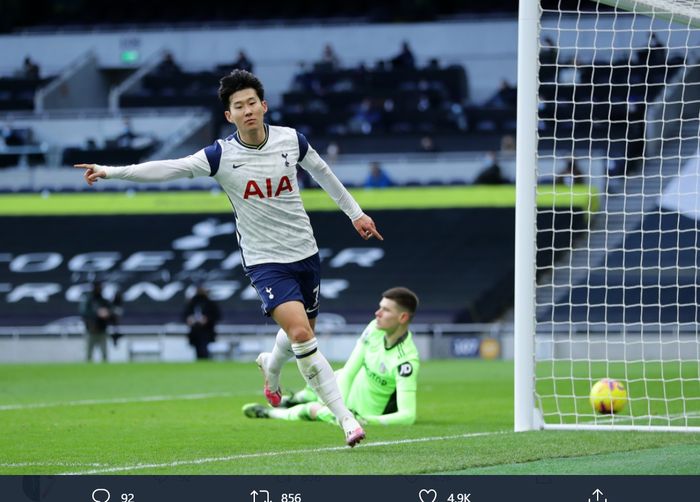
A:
(389, 315)
(246, 110)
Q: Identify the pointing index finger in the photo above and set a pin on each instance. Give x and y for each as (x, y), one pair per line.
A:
(376, 234)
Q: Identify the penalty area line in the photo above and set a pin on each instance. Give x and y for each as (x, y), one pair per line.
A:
(242, 456)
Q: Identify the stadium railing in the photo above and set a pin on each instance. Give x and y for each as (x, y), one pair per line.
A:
(235, 341)
(435, 341)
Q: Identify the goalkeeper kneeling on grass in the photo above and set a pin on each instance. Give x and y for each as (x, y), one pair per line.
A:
(378, 381)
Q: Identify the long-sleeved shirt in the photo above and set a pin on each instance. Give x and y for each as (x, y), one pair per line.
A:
(380, 384)
(260, 182)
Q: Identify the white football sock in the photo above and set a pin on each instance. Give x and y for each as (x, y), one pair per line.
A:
(319, 375)
(281, 353)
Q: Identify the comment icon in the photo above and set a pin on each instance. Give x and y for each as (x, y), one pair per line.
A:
(101, 495)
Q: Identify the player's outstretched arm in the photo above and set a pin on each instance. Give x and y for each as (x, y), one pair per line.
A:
(366, 228)
(151, 171)
(92, 172)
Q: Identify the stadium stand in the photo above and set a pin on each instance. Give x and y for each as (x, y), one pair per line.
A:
(638, 104)
(627, 292)
(603, 101)
(18, 93)
(377, 104)
(158, 90)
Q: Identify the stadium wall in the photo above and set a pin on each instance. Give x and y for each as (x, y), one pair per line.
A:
(168, 343)
(65, 349)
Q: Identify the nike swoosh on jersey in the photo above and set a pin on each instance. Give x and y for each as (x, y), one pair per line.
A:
(237, 166)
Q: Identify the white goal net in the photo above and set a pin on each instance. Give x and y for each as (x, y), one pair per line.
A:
(617, 241)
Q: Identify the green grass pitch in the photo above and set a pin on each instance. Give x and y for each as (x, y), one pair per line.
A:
(185, 418)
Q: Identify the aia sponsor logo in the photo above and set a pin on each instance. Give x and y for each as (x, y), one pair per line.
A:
(253, 189)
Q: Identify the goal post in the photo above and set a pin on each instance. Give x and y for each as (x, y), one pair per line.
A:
(608, 285)
(525, 229)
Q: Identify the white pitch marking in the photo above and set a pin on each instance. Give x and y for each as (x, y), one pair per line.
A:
(639, 418)
(120, 400)
(51, 464)
(229, 458)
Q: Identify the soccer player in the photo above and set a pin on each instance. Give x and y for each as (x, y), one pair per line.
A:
(256, 167)
(379, 380)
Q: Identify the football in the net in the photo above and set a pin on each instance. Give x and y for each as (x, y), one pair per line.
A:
(608, 396)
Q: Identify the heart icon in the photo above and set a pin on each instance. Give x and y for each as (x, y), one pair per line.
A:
(427, 495)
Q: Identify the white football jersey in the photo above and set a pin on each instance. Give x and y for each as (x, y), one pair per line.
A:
(260, 181)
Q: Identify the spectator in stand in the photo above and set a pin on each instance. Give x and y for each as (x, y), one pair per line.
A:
(570, 174)
(548, 60)
(508, 145)
(243, 62)
(548, 51)
(130, 139)
(380, 66)
(404, 60)
(366, 116)
(427, 145)
(491, 174)
(653, 54)
(424, 103)
(377, 178)
(30, 69)
(329, 59)
(127, 136)
(168, 66)
(11, 136)
(302, 81)
(505, 97)
(363, 71)
(658, 52)
(332, 152)
(433, 64)
(201, 315)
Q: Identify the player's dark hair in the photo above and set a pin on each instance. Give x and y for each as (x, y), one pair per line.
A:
(236, 81)
(404, 297)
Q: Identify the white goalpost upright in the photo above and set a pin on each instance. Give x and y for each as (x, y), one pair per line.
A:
(607, 238)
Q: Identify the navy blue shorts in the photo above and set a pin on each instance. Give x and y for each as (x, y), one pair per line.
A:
(278, 283)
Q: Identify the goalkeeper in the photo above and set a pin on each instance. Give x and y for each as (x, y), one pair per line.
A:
(378, 381)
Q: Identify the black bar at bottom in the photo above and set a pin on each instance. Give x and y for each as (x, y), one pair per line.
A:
(349, 488)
